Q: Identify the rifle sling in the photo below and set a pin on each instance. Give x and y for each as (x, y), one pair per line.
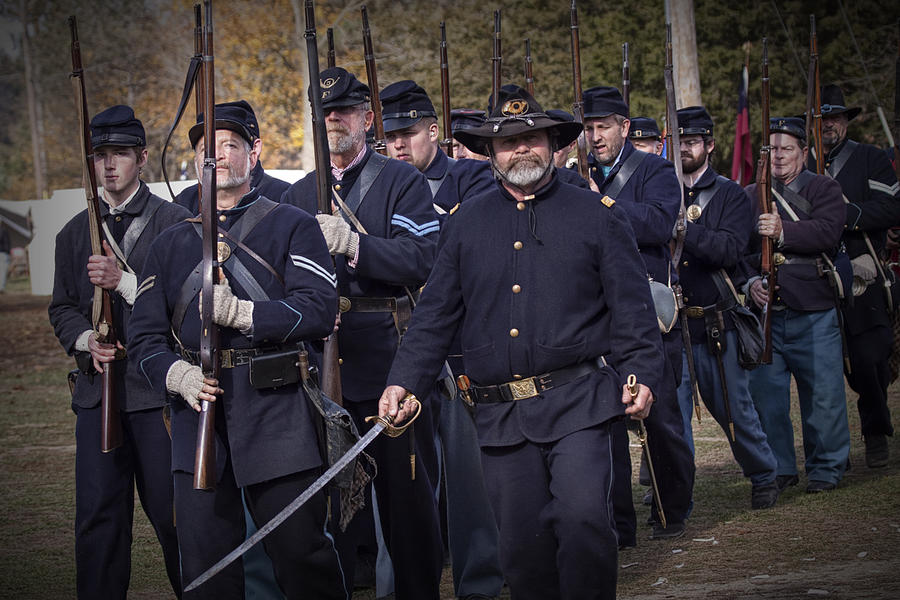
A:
(132, 235)
(840, 161)
(708, 193)
(436, 183)
(620, 180)
(361, 186)
(189, 80)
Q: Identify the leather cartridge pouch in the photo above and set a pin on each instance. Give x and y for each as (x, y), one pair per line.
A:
(274, 369)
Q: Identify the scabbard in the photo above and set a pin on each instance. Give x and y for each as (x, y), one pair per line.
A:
(688, 350)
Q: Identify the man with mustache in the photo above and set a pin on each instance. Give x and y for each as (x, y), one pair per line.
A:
(806, 337)
(535, 275)
(278, 291)
(646, 187)
(382, 234)
(870, 188)
(719, 221)
(105, 482)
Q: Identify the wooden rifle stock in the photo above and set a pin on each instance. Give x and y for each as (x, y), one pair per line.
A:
(330, 60)
(626, 76)
(496, 61)
(372, 75)
(447, 142)
(330, 374)
(578, 103)
(205, 452)
(102, 314)
(764, 190)
(529, 69)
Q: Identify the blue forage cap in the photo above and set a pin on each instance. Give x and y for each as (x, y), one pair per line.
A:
(694, 120)
(117, 126)
(466, 118)
(341, 88)
(403, 104)
(236, 116)
(794, 126)
(602, 101)
(644, 128)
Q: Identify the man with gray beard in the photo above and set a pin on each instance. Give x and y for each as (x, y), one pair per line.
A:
(382, 234)
(533, 275)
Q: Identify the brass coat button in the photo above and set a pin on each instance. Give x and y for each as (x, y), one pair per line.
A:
(517, 376)
(118, 218)
(337, 187)
(222, 218)
(514, 332)
(517, 245)
(516, 288)
(520, 205)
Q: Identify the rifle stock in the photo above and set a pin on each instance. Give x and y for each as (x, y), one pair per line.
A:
(764, 190)
(330, 376)
(372, 75)
(102, 315)
(447, 142)
(496, 60)
(205, 451)
(578, 104)
(529, 69)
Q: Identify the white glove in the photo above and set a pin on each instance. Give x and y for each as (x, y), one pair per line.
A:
(228, 310)
(186, 380)
(864, 268)
(338, 235)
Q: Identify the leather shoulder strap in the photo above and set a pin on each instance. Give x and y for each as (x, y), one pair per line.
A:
(625, 172)
(840, 161)
(370, 172)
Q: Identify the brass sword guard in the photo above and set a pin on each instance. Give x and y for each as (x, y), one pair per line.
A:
(388, 421)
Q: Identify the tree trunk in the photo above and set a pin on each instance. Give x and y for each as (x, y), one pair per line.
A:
(680, 13)
(33, 116)
(307, 151)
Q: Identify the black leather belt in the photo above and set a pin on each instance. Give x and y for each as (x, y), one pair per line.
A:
(699, 312)
(366, 304)
(520, 389)
(236, 357)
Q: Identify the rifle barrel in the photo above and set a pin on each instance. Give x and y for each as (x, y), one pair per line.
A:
(577, 103)
(763, 184)
(529, 69)
(626, 76)
(445, 94)
(330, 60)
(372, 75)
(496, 60)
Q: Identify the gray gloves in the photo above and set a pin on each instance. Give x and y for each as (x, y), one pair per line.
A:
(228, 310)
(864, 268)
(338, 235)
(186, 380)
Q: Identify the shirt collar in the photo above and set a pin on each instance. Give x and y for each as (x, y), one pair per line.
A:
(115, 210)
(338, 174)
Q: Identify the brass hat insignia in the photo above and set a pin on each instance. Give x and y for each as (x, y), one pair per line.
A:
(330, 82)
(514, 107)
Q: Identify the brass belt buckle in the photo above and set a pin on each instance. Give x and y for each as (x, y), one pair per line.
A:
(778, 258)
(344, 304)
(694, 312)
(523, 389)
(226, 358)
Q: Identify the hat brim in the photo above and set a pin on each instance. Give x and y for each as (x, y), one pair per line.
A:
(852, 112)
(196, 131)
(478, 139)
(398, 124)
(343, 102)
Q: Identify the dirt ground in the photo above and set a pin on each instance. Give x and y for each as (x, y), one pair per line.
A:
(843, 544)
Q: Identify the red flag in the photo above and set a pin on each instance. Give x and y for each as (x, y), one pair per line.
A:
(742, 162)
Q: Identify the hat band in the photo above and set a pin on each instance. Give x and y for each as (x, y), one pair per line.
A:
(116, 139)
(412, 114)
(694, 131)
(827, 108)
(641, 133)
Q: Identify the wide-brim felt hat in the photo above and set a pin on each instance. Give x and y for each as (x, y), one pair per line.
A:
(833, 103)
(516, 112)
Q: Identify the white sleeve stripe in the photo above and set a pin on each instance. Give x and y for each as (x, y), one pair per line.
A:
(879, 186)
(314, 267)
(419, 230)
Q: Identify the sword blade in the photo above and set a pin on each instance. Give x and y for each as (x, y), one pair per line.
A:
(291, 508)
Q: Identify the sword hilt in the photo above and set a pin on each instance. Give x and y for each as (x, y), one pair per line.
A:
(388, 421)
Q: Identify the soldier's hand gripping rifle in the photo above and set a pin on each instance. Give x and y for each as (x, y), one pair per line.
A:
(496, 60)
(101, 313)
(447, 142)
(764, 191)
(626, 76)
(372, 75)
(330, 380)
(577, 103)
(205, 455)
(529, 69)
(673, 153)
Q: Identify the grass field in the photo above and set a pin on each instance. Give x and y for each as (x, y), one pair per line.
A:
(843, 544)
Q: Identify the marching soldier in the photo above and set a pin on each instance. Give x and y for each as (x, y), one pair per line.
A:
(383, 235)
(806, 338)
(720, 217)
(278, 290)
(646, 187)
(268, 186)
(645, 136)
(872, 195)
(534, 275)
(104, 482)
(411, 130)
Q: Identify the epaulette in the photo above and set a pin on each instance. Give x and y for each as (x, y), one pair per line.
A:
(607, 201)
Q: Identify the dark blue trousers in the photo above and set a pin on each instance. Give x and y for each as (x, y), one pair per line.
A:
(870, 376)
(553, 504)
(211, 524)
(673, 460)
(104, 500)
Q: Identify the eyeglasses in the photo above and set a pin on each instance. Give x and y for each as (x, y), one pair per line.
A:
(691, 143)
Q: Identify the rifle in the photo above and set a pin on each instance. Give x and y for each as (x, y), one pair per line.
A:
(626, 76)
(496, 60)
(329, 34)
(205, 454)
(529, 75)
(101, 312)
(897, 106)
(447, 142)
(673, 154)
(372, 75)
(814, 100)
(578, 103)
(330, 379)
(763, 183)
